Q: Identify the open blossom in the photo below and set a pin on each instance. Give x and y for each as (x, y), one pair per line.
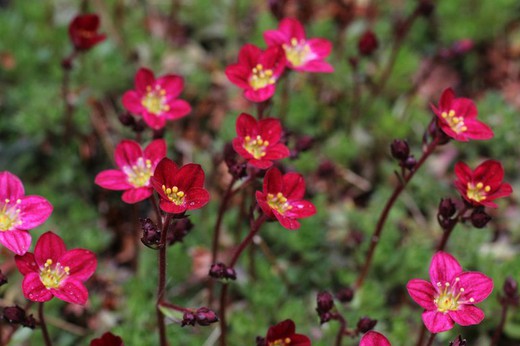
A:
(19, 213)
(52, 271)
(135, 169)
(374, 339)
(450, 295)
(483, 185)
(107, 339)
(284, 334)
(180, 189)
(156, 100)
(302, 54)
(259, 141)
(83, 31)
(282, 198)
(257, 71)
(457, 117)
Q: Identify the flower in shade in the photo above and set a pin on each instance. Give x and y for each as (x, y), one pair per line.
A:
(19, 213)
(374, 339)
(135, 169)
(302, 54)
(83, 31)
(52, 271)
(156, 100)
(257, 71)
(457, 117)
(180, 189)
(282, 198)
(107, 339)
(483, 185)
(259, 141)
(284, 334)
(450, 295)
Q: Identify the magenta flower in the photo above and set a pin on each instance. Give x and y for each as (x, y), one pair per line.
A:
(83, 31)
(180, 189)
(302, 54)
(135, 169)
(52, 271)
(282, 198)
(259, 141)
(257, 71)
(450, 295)
(457, 117)
(107, 339)
(483, 185)
(156, 99)
(374, 339)
(19, 213)
(284, 334)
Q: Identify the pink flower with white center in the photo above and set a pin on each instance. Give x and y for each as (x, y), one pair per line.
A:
(450, 295)
(302, 54)
(156, 100)
(135, 169)
(19, 213)
(372, 338)
(52, 271)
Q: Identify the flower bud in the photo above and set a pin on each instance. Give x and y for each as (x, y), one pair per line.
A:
(325, 302)
(345, 295)
(17, 315)
(178, 230)
(260, 341)
(458, 341)
(479, 218)
(235, 168)
(365, 324)
(447, 208)
(409, 163)
(400, 149)
(151, 234)
(188, 319)
(325, 317)
(126, 119)
(205, 316)
(367, 43)
(304, 143)
(222, 272)
(510, 287)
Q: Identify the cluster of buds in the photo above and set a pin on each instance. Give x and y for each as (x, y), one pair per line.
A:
(17, 315)
(202, 316)
(151, 234)
(127, 120)
(401, 152)
(235, 167)
(445, 213)
(178, 230)
(479, 218)
(325, 304)
(221, 272)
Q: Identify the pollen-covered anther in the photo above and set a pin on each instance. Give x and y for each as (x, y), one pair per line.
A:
(477, 192)
(297, 52)
(174, 194)
(139, 174)
(10, 215)
(255, 147)
(261, 77)
(52, 275)
(155, 100)
(456, 123)
(278, 202)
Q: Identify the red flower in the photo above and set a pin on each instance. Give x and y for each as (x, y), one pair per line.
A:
(282, 198)
(374, 339)
(19, 213)
(107, 339)
(83, 31)
(302, 54)
(457, 117)
(257, 71)
(135, 169)
(284, 334)
(156, 99)
(52, 271)
(482, 186)
(259, 141)
(180, 189)
(450, 295)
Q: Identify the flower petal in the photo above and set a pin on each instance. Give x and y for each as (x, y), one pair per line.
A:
(249, 55)
(273, 182)
(467, 315)
(11, 186)
(246, 125)
(18, 241)
(281, 330)
(292, 28)
(26, 264)
(144, 78)
(163, 175)
(127, 153)
(476, 285)
(82, 263)
(71, 291)
(49, 246)
(372, 338)
(34, 211)
(178, 109)
(33, 288)
(301, 209)
(287, 221)
(437, 322)
(196, 198)
(443, 268)
(422, 292)
(113, 179)
(135, 195)
(189, 176)
(155, 151)
(132, 101)
(172, 84)
(270, 130)
(293, 186)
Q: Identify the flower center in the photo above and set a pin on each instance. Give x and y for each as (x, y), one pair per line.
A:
(280, 342)
(52, 275)
(261, 78)
(139, 174)
(456, 123)
(86, 33)
(278, 202)
(174, 194)
(155, 101)
(10, 215)
(255, 147)
(477, 192)
(449, 297)
(297, 52)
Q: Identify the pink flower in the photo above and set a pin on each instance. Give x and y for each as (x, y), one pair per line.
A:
(180, 189)
(450, 295)
(284, 334)
(257, 71)
(302, 54)
(259, 141)
(374, 339)
(156, 99)
(19, 213)
(482, 186)
(457, 117)
(83, 31)
(135, 169)
(282, 198)
(52, 271)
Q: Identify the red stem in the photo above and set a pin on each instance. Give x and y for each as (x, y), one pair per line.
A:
(447, 232)
(430, 340)
(341, 331)
(161, 286)
(43, 325)
(500, 327)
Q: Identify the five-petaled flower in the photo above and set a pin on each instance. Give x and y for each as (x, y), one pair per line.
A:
(457, 117)
(83, 31)
(302, 54)
(372, 338)
(52, 271)
(180, 189)
(284, 334)
(259, 141)
(19, 213)
(107, 339)
(483, 185)
(257, 71)
(156, 99)
(282, 198)
(135, 169)
(450, 295)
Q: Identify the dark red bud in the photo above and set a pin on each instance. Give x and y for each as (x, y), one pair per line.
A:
(126, 119)
(458, 341)
(365, 324)
(409, 163)
(151, 234)
(511, 287)
(325, 302)
(479, 218)
(345, 295)
(205, 316)
(17, 315)
(178, 230)
(188, 319)
(367, 43)
(400, 149)
(447, 208)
